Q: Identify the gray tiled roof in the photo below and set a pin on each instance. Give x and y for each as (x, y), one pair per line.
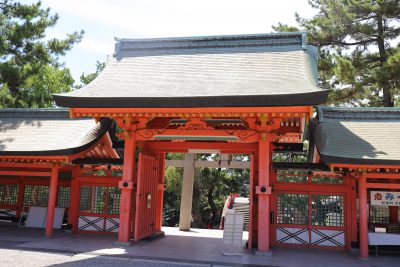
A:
(242, 70)
(358, 135)
(44, 132)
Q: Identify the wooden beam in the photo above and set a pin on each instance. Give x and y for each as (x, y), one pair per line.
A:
(224, 147)
(98, 161)
(210, 164)
(383, 175)
(210, 112)
(248, 136)
(363, 167)
(383, 185)
(24, 165)
(25, 173)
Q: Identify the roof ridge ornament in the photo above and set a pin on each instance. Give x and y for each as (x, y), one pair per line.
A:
(129, 47)
(358, 113)
(304, 40)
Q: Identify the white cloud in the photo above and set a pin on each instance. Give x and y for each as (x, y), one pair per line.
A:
(103, 20)
(184, 17)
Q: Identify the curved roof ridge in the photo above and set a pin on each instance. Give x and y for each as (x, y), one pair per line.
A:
(126, 47)
(358, 113)
(59, 113)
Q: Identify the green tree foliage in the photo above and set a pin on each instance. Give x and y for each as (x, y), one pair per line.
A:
(211, 188)
(30, 71)
(359, 50)
(172, 195)
(86, 79)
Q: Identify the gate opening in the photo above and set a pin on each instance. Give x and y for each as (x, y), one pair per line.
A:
(217, 180)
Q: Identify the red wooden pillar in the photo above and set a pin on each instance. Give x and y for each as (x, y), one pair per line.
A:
(264, 192)
(363, 219)
(21, 193)
(393, 213)
(160, 191)
(52, 200)
(353, 206)
(251, 202)
(126, 186)
(74, 199)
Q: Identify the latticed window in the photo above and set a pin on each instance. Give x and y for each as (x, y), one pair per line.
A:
(291, 176)
(36, 195)
(63, 196)
(327, 210)
(379, 214)
(292, 209)
(84, 202)
(114, 200)
(92, 199)
(8, 194)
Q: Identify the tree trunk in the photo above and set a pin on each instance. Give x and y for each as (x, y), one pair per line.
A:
(196, 212)
(387, 94)
(210, 197)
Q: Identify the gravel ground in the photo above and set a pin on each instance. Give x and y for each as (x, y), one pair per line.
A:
(12, 257)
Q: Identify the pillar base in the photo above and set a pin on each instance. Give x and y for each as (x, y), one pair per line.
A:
(363, 259)
(263, 253)
(123, 244)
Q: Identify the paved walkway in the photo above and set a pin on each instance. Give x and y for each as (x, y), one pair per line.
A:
(198, 246)
(13, 258)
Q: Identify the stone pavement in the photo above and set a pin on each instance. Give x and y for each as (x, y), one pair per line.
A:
(38, 259)
(199, 246)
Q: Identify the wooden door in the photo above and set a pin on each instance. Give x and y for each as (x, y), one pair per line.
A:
(147, 182)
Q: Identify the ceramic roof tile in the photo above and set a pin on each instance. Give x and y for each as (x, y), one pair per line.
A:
(358, 135)
(243, 70)
(46, 132)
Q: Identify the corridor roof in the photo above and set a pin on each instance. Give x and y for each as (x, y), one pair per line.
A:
(47, 132)
(368, 136)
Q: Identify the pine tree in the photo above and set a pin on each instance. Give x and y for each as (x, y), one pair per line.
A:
(359, 49)
(26, 56)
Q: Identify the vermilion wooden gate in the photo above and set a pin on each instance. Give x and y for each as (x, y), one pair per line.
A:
(147, 182)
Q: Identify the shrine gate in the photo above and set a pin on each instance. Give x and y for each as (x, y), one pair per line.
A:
(241, 94)
(244, 94)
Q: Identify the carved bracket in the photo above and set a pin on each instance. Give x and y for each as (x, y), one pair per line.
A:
(242, 135)
(195, 124)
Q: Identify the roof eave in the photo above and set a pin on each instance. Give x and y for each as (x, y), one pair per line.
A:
(62, 152)
(301, 99)
(331, 159)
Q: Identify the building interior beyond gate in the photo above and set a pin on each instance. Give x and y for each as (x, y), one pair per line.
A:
(319, 177)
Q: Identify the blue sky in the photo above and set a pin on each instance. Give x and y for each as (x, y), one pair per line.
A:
(104, 20)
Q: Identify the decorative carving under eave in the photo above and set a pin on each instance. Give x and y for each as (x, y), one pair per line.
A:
(195, 124)
(148, 134)
(33, 160)
(242, 135)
